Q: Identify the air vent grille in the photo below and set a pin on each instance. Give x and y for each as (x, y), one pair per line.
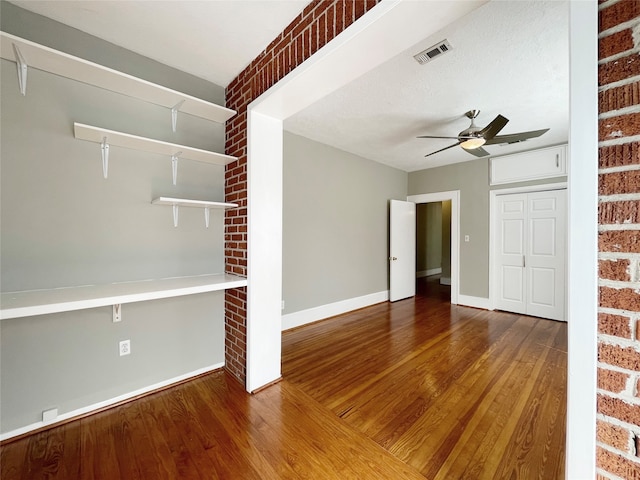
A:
(433, 52)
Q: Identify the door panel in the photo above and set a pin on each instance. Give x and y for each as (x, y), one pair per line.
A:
(402, 250)
(546, 256)
(543, 234)
(512, 287)
(544, 281)
(510, 252)
(512, 237)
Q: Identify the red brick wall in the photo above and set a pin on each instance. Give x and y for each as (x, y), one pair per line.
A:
(318, 23)
(618, 402)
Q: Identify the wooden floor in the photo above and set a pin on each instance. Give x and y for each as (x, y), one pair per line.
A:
(407, 390)
(455, 392)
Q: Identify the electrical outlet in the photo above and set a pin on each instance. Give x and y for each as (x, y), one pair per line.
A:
(125, 347)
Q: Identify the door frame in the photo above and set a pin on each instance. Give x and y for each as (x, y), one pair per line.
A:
(493, 194)
(454, 197)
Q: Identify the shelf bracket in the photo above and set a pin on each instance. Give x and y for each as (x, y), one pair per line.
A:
(174, 166)
(175, 215)
(104, 148)
(174, 115)
(206, 217)
(21, 65)
(117, 312)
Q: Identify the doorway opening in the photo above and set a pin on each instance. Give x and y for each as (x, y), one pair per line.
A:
(449, 209)
(433, 249)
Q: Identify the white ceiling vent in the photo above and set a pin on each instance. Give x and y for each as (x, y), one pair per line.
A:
(433, 52)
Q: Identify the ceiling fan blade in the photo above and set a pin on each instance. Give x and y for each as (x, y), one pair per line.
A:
(452, 138)
(442, 149)
(516, 137)
(478, 152)
(494, 127)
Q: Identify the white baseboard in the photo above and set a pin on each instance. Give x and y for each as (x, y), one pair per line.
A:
(428, 273)
(445, 280)
(475, 302)
(297, 319)
(112, 401)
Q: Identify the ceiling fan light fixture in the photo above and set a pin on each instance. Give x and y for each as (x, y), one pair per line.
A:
(472, 143)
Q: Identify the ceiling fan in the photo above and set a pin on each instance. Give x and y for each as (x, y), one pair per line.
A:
(473, 138)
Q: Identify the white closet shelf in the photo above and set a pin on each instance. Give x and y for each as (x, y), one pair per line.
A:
(40, 302)
(125, 140)
(60, 63)
(183, 202)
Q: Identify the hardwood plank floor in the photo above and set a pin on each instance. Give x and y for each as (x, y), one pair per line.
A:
(457, 393)
(409, 390)
(208, 428)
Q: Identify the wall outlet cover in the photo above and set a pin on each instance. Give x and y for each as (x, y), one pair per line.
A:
(125, 347)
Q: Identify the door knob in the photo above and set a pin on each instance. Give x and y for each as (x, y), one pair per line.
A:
(392, 258)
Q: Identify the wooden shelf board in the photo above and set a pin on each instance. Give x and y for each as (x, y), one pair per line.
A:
(40, 302)
(184, 202)
(134, 142)
(65, 65)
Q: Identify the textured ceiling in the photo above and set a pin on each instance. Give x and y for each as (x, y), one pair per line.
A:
(508, 58)
(214, 39)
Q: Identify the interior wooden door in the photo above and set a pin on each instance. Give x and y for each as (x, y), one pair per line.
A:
(511, 211)
(546, 246)
(402, 250)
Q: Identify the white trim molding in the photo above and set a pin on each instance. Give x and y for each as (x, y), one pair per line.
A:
(582, 241)
(428, 273)
(310, 315)
(107, 403)
(475, 302)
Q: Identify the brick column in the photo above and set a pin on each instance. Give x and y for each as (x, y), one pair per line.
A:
(618, 403)
(318, 24)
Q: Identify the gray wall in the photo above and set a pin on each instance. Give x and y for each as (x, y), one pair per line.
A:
(428, 236)
(472, 179)
(64, 225)
(335, 223)
(42, 30)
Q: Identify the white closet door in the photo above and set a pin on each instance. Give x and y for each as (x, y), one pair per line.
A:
(510, 252)
(545, 258)
(530, 253)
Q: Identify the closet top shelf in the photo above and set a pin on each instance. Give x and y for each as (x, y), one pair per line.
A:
(60, 63)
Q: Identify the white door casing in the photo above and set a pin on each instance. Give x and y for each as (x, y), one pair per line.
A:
(402, 250)
(530, 253)
(452, 196)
